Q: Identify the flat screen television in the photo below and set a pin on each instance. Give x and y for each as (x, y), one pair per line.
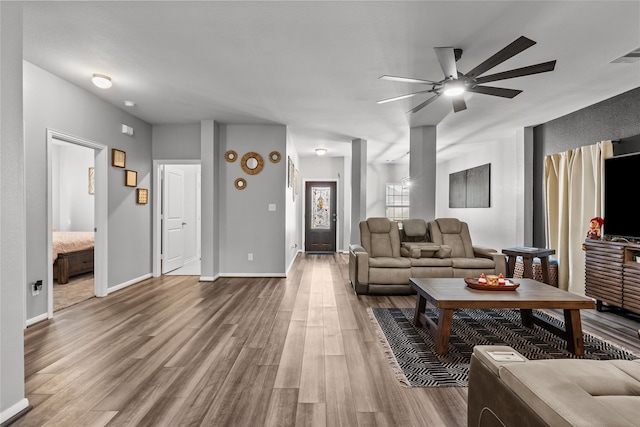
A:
(621, 217)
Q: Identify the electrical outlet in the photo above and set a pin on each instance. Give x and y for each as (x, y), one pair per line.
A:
(250, 256)
(36, 288)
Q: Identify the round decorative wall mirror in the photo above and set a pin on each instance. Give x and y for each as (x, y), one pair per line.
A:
(240, 184)
(274, 156)
(252, 163)
(231, 156)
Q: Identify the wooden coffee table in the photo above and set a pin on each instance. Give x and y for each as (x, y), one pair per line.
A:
(449, 294)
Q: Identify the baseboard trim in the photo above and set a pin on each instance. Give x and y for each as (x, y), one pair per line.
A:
(129, 283)
(209, 279)
(10, 415)
(253, 275)
(34, 320)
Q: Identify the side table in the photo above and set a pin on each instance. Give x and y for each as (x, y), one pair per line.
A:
(528, 254)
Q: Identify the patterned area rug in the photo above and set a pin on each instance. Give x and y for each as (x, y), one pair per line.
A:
(411, 350)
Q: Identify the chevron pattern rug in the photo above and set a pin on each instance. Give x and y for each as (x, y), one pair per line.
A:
(411, 350)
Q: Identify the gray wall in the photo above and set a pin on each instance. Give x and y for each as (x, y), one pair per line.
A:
(612, 119)
(50, 102)
(176, 142)
(12, 211)
(246, 224)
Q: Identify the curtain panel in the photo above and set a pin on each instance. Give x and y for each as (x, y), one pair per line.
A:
(574, 183)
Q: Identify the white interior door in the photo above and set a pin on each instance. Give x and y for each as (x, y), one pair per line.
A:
(173, 219)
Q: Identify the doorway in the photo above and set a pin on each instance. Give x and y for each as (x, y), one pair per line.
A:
(177, 218)
(78, 214)
(320, 217)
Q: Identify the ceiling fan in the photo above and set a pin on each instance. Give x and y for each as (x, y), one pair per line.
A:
(455, 83)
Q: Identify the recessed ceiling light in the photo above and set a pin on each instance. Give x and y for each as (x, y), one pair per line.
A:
(102, 81)
(129, 103)
(321, 151)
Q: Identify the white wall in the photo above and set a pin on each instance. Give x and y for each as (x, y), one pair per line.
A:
(72, 205)
(378, 176)
(496, 226)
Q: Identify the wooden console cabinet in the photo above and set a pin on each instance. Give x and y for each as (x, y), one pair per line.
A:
(612, 275)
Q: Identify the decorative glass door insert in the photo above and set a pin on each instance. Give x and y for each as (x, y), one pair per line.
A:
(321, 205)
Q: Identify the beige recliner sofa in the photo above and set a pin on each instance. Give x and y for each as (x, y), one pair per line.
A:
(387, 258)
(552, 392)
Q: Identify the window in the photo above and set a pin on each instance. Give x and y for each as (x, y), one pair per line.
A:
(397, 201)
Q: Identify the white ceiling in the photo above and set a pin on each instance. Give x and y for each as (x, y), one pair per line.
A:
(314, 65)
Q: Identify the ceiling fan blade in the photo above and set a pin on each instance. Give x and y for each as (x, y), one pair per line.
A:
(409, 95)
(406, 80)
(518, 72)
(447, 60)
(495, 91)
(422, 105)
(458, 103)
(512, 49)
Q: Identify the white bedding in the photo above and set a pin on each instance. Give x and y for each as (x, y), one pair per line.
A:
(69, 241)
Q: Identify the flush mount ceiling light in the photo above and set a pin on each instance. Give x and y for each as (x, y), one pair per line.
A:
(129, 104)
(102, 81)
(321, 151)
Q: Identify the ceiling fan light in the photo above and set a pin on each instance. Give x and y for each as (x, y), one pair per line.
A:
(102, 81)
(453, 89)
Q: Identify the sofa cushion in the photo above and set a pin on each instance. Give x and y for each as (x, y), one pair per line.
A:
(418, 249)
(389, 262)
(431, 262)
(473, 263)
(379, 225)
(569, 392)
(414, 227)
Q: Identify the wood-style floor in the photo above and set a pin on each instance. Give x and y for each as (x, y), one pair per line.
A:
(172, 351)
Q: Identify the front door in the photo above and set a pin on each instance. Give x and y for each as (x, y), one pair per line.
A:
(320, 216)
(172, 219)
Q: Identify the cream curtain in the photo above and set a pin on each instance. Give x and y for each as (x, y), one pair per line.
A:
(574, 182)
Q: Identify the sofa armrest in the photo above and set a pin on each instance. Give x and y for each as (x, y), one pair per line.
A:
(498, 258)
(358, 264)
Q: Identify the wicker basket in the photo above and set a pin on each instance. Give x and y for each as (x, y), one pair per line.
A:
(537, 271)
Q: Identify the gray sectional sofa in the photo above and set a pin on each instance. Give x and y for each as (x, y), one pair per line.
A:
(552, 392)
(387, 257)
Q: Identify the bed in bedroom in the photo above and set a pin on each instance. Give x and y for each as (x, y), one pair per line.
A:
(72, 254)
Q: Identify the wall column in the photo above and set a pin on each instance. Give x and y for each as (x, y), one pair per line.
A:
(12, 215)
(358, 187)
(422, 172)
(210, 197)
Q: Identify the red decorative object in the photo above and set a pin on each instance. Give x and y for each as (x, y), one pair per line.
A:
(594, 228)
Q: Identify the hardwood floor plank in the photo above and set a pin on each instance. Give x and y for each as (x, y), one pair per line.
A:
(290, 367)
(312, 382)
(281, 411)
(294, 351)
(340, 406)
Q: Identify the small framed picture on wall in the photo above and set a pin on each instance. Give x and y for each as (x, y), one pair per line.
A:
(118, 158)
(130, 178)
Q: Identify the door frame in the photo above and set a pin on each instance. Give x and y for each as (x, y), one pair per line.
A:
(156, 246)
(101, 206)
(304, 211)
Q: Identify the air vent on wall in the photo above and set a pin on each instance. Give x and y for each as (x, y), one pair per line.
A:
(630, 57)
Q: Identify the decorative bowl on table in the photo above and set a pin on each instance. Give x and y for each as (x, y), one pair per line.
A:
(474, 284)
